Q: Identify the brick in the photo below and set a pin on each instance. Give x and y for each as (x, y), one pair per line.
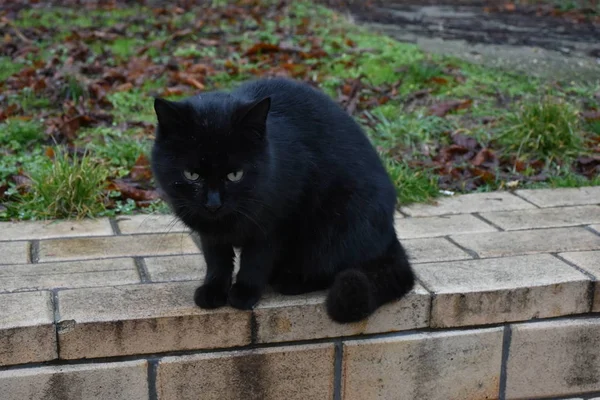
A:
(26, 328)
(14, 252)
(29, 230)
(439, 365)
(72, 274)
(590, 262)
(433, 249)
(562, 197)
(116, 246)
(554, 358)
(488, 291)
(410, 228)
(98, 381)
(499, 244)
(291, 373)
(142, 319)
(150, 223)
(286, 318)
(474, 202)
(176, 268)
(544, 218)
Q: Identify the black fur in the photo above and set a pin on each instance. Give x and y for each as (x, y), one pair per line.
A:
(314, 209)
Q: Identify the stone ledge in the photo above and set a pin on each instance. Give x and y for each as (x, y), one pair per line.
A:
(556, 358)
(143, 319)
(113, 297)
(128, 317)
(54, 229)
(114, 381)
(14, 253)
(444, 365)
(27, 332)
(488, 291)
(562, 197)
(282, 319)
(71, 274)
(473, 203)
(161, 317)
(294, 373)
(115, 246)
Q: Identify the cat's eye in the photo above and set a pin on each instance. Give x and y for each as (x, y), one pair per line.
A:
(191, 176)
(235, 176)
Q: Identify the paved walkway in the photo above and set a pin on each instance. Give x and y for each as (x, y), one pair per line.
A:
(520, 40)
(119, 292)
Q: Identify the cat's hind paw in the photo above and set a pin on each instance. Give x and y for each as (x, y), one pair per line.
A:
(350, 298)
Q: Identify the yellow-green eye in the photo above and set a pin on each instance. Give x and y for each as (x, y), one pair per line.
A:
(191, 176)
(235, 176)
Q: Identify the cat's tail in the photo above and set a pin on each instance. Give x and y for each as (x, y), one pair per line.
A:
(357, 292)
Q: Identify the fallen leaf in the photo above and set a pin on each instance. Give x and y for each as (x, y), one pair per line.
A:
(441, 109)
(262, 48)
(124, 87)
(591, 115)
(485, 156)
(465, 141)
(439, 80)
(129, 190)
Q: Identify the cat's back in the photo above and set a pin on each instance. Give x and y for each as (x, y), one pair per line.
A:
(306, 127)
(296, 102)
(304, 114)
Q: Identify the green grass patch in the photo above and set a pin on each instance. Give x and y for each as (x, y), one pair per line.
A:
(8, 67)
(407, 131)
(29, 101)
(547, 130)
(72, 187)
(133, 105)
(412, 185)
(18, 134)
(54, 17)
(124, 47)
(119, 149)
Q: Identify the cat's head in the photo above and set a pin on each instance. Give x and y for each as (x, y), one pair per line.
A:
(210, 154)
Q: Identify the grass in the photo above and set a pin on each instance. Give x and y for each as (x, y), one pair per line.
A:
(409, 132)
(18, 134)
(412, 185)
(546, 130)
(8, 67)
(119, 148)
(132, 106)
(516, 116)
(72, 187)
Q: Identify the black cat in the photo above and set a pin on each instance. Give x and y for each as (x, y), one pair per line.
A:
(278, 169)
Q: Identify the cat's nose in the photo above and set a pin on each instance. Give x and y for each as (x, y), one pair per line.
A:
(213, 201)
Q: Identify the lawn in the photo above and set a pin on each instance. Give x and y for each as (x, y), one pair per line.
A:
(77, 123)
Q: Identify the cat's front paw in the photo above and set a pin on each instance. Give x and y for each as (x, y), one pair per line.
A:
(243, 297)
(210, 296)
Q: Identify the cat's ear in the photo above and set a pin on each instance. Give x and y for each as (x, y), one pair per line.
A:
(169, 113)
(254, 116)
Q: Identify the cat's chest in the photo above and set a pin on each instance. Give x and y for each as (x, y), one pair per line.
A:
(236, 234)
